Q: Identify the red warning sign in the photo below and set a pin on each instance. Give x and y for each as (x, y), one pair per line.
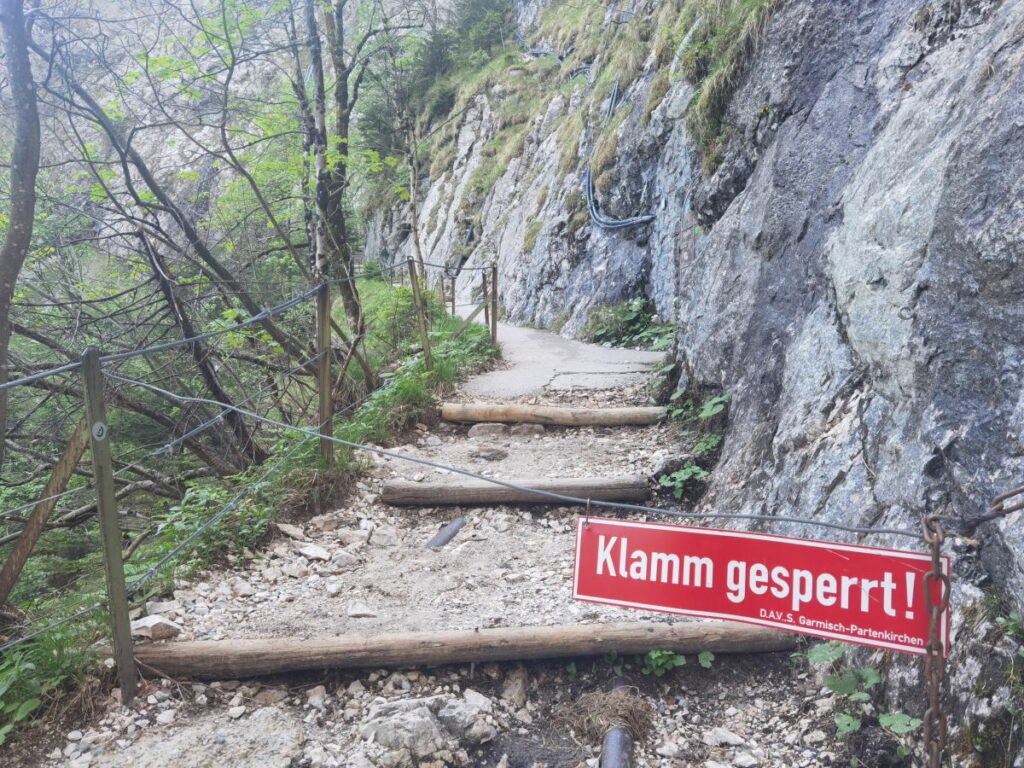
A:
(844, 592)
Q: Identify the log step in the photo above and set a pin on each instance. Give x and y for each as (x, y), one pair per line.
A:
(407, 493)
(248, 658)
(547, 414)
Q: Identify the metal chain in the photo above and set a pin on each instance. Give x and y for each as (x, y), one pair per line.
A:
(935, 658)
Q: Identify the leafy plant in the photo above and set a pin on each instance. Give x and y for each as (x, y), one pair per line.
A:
(1011, 624)
(684, 408)
(34, 675)
(851, 685)
(713, 406)
(705, 659)
(632, 323)
(615, 662)
(658, 662)
(679, 479)
(707, 445)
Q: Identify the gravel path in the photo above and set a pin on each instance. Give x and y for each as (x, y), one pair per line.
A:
(364, 569)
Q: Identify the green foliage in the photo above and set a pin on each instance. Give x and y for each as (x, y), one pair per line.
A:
(713, 406)
(615, 663)
(682, 407)
(35, 675)
(633, 323)
(826, 653)
(707, 446)
(898, 723)
(846, 724)
(658, 662)
(705, 659)
(852, 686)
(679, 479)
(1011, 624)
(659, 89)
(242, 527)
(571, 672)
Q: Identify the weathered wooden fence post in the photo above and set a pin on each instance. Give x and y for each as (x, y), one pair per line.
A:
(103, 479)
(485, 298)
(494, 303)
(323, 349)
(421, 315)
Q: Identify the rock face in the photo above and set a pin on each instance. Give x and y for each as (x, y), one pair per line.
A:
(855, 282)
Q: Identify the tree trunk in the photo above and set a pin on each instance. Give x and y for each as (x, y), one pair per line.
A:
(24, 168)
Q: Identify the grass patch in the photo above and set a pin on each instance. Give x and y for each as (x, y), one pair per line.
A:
(714, 59)
(606, 152)
(659, 89)
(532, 233)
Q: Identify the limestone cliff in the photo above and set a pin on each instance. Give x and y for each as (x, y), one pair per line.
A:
(844, 258)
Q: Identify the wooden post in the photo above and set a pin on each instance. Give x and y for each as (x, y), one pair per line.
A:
(103, 478)
(485, 298)
(494, 304)
(324, 380)
(421, 315)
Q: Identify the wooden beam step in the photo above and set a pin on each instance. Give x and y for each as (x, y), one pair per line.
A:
(547, 414)
(407, 493)
(248, 658)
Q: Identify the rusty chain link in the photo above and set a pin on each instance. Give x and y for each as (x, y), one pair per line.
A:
(935, 658)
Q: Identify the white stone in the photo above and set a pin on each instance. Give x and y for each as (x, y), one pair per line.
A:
(359, 610)
(668, 749)
(385, 536)
(478, 700)
(166, 718)
(314, 552)
(294, 570)
(334, 588)
(155, 628)
(292, 531)
(349, 536)
(236, 712)
(317, 697)
(744, 760)
(718, 737)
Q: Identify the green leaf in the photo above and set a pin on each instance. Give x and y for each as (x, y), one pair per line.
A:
(705, 658)
(842, 685)
(898, 723)
(26, 709)
(846, 724)
(870, 677)
(860, 696)
(826, 653)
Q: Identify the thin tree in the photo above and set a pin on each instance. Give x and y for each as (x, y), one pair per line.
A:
(24, 169)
